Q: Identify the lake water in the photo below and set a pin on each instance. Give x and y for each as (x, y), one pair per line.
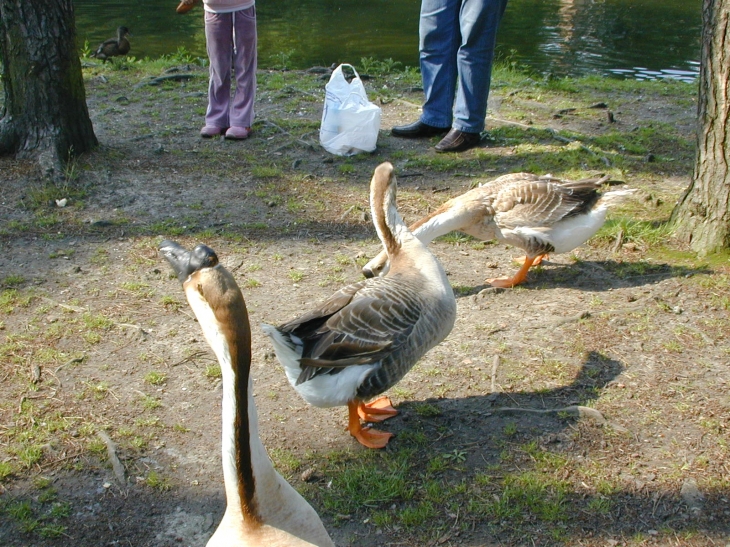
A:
(625, 38)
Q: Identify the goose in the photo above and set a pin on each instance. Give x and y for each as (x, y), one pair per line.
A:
(539, 214)
(365, 337)
(262, 509)
(113, 46)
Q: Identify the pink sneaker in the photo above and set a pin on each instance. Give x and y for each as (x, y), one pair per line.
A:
(238, 133)
(210, 131)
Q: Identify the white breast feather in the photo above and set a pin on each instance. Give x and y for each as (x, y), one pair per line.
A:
(575, 231)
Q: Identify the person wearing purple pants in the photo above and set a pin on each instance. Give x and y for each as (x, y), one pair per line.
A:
(230, 35)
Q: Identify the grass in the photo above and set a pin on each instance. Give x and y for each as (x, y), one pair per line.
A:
(44, 517)
(151, 403)
(394, 489)
(12, 298)
(171, 303)
(155, 378)
(213, 371)
(157, 482)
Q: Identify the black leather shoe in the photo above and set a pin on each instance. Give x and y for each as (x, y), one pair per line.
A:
(417, 129)
(458, 141)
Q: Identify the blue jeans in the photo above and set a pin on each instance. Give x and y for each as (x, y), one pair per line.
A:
(457, 40)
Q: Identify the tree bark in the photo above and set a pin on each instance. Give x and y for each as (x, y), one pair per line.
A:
(45, 114)
(702, 215)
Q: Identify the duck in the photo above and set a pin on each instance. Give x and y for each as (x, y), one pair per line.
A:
(262, 509)
(538, 214)
(114, 47)
(364, 338)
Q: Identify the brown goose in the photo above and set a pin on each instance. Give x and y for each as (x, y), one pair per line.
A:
(262, 509)
(113, 47)
(540, 215)
(367, 336)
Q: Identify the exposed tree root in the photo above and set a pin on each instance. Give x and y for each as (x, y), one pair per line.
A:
(573, 410)
(111, 449)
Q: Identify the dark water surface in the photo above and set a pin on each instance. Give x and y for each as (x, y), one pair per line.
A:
(630, 38)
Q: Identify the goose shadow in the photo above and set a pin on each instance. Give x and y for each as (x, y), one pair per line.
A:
(480, 420)
(595, 276)
(489, 438)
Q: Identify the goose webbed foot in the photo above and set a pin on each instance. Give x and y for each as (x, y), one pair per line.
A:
(378, 410)
(372, 438)
(537, 260)
(366, 436)
(519, 277)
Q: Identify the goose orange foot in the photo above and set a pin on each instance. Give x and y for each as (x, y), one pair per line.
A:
(376, 411)
(539, 259)
(519, 277)
(367, 436)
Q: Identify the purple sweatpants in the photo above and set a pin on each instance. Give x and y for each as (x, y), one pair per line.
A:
(231, 39)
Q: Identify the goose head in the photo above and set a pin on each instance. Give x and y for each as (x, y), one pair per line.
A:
(262, 509)
(390, 225)
(392, 231)
(377, 266)
(382, 194)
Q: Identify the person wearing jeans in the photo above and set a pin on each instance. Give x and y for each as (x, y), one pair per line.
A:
(230, 35)
(457, 41)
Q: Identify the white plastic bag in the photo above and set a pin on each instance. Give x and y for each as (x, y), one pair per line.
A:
(350, 123)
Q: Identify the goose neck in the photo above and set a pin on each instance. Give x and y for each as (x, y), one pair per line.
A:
(244, 457)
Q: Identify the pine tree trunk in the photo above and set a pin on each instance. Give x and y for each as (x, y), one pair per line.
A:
(702, 215)
(45, 114)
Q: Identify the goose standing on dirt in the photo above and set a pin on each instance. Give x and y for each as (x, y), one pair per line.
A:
(367, 336)
(114, 47)
(262, 509)
(540, 215)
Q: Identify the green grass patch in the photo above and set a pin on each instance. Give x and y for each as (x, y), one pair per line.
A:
(157, 482)
(370, 482)
(213, 371)
(11, 299)
(155, 378)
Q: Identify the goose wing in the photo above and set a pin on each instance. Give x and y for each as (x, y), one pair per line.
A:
(543, 202)
(360, 324)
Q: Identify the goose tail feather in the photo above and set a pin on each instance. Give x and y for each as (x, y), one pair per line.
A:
(616, 196)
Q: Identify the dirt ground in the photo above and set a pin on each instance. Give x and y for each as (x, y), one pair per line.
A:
(105, 341)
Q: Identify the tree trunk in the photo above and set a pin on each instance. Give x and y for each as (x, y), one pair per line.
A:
(702, 215)
(45, 114)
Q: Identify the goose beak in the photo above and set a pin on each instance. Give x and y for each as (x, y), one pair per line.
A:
(368, 273)
(186, 262)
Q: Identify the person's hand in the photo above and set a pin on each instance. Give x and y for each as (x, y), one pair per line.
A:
(186, 5)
